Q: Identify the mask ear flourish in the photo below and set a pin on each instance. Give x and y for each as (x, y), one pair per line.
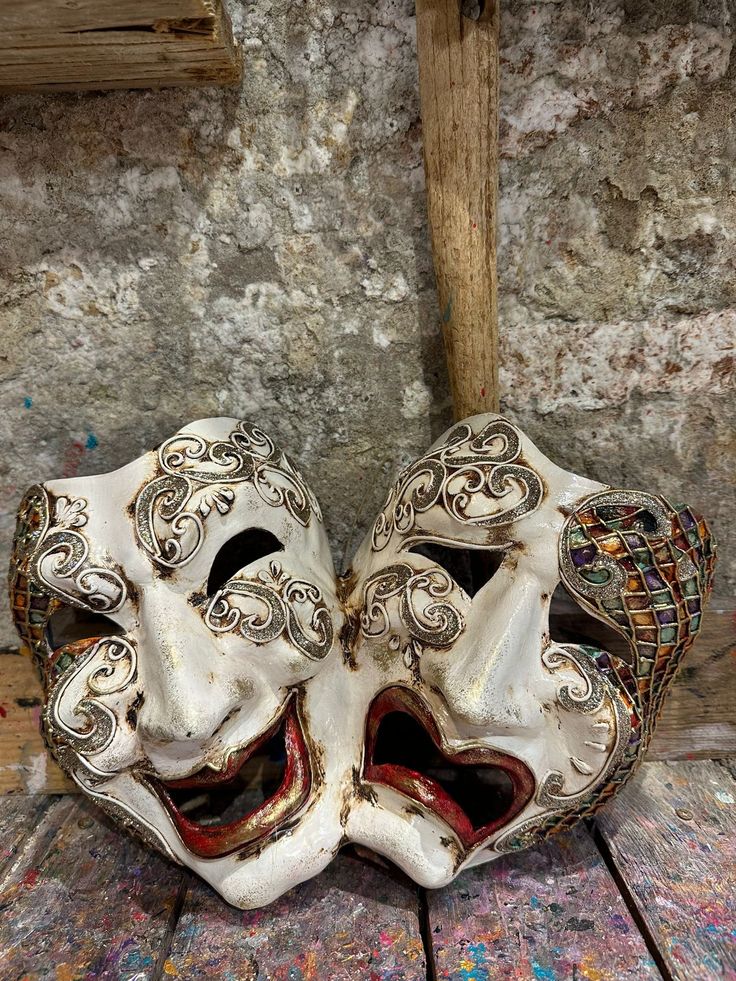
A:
(644, 568)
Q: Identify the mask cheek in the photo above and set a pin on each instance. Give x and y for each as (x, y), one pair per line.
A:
(91, 712)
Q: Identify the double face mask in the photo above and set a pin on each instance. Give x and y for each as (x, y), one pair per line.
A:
(216, 688)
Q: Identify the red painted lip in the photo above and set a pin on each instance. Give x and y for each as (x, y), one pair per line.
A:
(214, 841)
(422, 789)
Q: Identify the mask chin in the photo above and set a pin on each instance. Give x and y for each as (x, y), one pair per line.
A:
(475, 791)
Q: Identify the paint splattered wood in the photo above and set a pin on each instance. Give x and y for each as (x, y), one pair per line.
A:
(87, 902)
(672, 835)
(354, 921)
(20, 815)
(550, 913)
(25, 764)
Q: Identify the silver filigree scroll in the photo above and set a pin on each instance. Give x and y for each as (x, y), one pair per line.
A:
(60, 562)
(434, 624)
(272, 602)
(169, 522)
(113, 663)
(470, 476)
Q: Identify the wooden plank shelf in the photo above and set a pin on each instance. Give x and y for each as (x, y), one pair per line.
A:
(648, 893)
(672, 837)
(57, 45)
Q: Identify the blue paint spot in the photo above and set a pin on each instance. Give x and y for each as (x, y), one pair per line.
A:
(534, 903)
(447, 312)
(92, 441)
(28, 402)
(542, 973)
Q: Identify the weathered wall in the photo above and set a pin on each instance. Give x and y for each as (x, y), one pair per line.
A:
(263, 253)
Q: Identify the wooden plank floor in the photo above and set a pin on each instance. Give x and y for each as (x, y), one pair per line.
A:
(649, 892)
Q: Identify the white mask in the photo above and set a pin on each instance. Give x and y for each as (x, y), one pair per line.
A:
(207, 658)
(484, 734)
(216, 650)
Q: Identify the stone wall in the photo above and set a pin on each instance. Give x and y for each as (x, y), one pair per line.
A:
(166, 256)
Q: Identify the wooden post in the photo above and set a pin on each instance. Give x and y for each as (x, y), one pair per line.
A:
(457, 44)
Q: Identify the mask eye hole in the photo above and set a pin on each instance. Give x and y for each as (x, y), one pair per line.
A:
(239, 551)
(471, 568)
(569, 624)
(69, 625)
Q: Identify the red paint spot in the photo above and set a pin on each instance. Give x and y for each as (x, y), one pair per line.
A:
(138, 916)
(29, 879)
(548, 241)
(3, 712)
(72, 459)
(475, 224)
(482, 393)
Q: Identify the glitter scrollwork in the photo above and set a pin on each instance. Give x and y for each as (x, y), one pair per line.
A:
(54, 554)
(477, 478)
(425, 620)
(112, 661)
(262, 610)
(171, 508)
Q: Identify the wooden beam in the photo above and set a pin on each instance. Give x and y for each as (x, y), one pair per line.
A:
(48, 45)
(458, 87)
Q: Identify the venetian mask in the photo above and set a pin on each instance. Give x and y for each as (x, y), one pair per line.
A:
(215, 687)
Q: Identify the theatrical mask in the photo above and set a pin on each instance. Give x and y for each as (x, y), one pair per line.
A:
(214, 685)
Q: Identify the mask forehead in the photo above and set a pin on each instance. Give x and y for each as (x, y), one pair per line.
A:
(216, 475)
(476, 482)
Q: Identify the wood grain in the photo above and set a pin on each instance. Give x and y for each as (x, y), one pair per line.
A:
(672, 836)
(38, 16)
(49, 45)
(19, 815)
(352, 921)
(553, 912)
(25, 764)
(458, 86)
(87, 901)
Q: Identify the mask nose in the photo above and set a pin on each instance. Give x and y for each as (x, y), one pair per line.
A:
(188, 684)
(488, 680)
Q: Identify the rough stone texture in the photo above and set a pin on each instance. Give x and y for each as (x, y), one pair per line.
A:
(263, 253)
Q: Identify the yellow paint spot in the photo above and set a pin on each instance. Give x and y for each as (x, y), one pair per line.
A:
(64, 972)
(591, 973)
(170, 968)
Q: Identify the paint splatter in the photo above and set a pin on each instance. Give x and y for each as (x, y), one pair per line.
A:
(28, 402)
(92, 442)
(542, 973)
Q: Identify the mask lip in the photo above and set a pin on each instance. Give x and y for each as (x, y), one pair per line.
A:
(428, 793)
(247, 833)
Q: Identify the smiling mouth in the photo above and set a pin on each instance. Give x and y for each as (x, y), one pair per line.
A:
(263, 785)
(476, 791)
